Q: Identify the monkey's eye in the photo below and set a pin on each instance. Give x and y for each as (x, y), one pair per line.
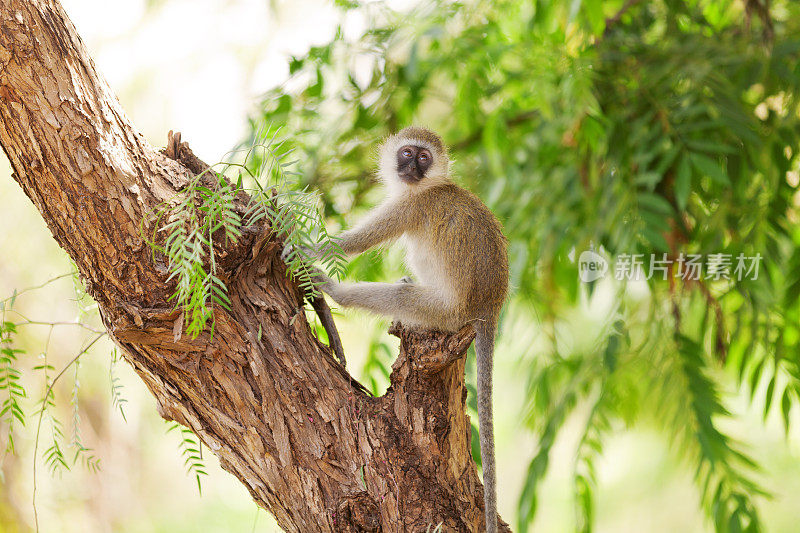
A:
(423, 157)
(407, 152)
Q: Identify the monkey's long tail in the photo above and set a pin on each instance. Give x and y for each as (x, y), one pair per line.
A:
(484, 347)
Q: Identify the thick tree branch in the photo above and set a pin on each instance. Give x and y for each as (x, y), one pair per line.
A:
(263, 394)
(180, 151)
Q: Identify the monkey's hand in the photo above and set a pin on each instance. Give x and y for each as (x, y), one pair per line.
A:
(319, 278)
(406, 279)
(290, 251)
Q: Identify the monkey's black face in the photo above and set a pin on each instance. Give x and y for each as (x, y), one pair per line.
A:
(413, 162)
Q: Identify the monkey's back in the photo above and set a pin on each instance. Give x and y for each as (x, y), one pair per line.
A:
(459, 243)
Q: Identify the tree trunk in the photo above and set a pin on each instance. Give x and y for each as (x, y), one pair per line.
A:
(263, 393)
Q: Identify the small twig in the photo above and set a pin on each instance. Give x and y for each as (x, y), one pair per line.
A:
(29, 322)
(326, 318)
(29, 289)
(673, 298)
(79, 324)
(719, 316)
(41, 416)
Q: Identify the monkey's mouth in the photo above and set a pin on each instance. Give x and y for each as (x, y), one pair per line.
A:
(411, 176)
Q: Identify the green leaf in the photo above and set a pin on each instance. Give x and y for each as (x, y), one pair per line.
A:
(769, 396)
(655, 203)
(709, 167)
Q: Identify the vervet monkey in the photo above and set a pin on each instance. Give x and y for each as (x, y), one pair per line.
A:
(457, 253)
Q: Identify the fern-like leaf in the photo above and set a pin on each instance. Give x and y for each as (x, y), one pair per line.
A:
(192, 453)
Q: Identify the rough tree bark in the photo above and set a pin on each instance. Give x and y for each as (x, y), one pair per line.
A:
(305, 438)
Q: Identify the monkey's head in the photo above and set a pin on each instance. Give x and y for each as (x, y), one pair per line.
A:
(413, 160)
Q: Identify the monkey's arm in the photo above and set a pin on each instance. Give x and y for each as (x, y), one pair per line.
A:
(384, 223)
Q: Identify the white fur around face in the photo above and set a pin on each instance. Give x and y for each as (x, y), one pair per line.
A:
(437, 174)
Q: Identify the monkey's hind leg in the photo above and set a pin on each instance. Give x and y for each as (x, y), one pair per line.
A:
(410, 303)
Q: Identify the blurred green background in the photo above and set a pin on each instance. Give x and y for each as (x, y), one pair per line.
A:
(663, 127)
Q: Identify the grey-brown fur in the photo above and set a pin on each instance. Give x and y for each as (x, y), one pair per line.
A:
(415, 132)
(457, 253)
